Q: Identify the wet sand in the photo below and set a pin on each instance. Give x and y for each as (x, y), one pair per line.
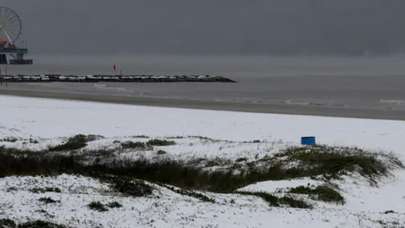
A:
(359, 97)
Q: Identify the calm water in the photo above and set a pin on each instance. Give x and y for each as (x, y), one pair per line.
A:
(364, 83)
(242, 68)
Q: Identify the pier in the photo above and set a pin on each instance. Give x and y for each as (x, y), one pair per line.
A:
(113, 78)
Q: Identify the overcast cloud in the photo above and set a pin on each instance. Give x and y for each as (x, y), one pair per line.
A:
(343, 27)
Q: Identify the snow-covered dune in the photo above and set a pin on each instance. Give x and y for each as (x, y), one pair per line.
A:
(240, 135)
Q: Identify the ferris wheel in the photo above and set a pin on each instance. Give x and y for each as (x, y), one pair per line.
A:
(11, 53)
(10, 26)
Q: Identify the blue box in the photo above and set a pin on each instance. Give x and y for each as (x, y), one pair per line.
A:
(309, 140)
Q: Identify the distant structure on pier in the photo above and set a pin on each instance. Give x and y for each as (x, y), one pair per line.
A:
(12, 49)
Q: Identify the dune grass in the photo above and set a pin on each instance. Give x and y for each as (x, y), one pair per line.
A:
(8, 223)
(278, 201)
(73, 143)
(322, 193)
(329, 162)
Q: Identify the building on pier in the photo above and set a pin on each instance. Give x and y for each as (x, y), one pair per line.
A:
(11, 52)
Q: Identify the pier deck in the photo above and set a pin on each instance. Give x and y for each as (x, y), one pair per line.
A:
(112, 78)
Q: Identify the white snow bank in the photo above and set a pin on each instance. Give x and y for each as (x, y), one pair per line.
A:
(163, 209)
(52, 118)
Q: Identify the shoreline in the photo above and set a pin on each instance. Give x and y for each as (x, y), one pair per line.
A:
(290, 109)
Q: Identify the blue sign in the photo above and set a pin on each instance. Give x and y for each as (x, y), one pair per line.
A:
(310, 141)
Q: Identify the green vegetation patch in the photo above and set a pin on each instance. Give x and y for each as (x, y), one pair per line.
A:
(100, 207)
(135, 145)
(40, 224)
(7, 223)
(135, 188)
(161, 152)
(73, 143)
(97, 206)
(160, 142)
(46, 189)
(275, 201)
(331, 162)
(323, 193)
(9, 139)
(114, 205)
(48, 200)
(17, 152)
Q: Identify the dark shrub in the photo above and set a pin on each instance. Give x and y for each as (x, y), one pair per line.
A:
(11, 189)
(134, 188)
(294, 202)
(323, 193)
(33, 141)
(10, 139)
(47, 189)
(241, 159)
(40, 224)
(161, 152)
(7, 223)
(389, 212)
(333, 162)
(159, 142)
(276, 201)
(97, 206)
(114, 205)
(134, 145)
(48, 200)
(73, 143)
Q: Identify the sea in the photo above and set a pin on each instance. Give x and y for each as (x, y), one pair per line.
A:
(366, 82)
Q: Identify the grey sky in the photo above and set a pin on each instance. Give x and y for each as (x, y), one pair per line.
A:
(213, 26)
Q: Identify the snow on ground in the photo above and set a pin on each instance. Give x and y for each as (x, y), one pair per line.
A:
(185, 148)
(52, 118)
(163, 209)
(275, 186)
(359, 195)
(49, 121)
(194, 148)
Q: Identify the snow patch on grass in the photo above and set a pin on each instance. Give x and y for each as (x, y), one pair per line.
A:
(164, 208)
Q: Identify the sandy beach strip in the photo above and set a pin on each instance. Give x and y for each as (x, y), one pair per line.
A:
(32, 90)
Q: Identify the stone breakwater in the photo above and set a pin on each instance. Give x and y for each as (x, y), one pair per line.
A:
(113, 78)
